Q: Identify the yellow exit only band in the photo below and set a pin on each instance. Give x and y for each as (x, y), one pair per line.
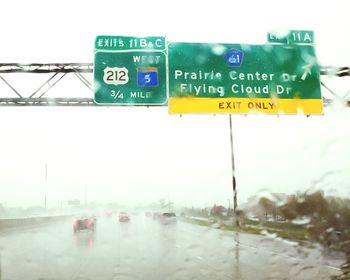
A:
(185, 105)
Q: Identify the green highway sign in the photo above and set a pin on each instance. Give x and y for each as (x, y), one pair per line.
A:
(117, 43)
(234, 78)
(130, 70)
(279, 38)
(291, 37)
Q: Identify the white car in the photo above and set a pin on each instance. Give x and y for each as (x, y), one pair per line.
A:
(124, 217)
(168, 218)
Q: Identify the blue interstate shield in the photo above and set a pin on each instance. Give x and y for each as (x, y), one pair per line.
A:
(234, 58)
(147, 76)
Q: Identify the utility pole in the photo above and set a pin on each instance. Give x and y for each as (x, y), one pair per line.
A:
(45, 185)
(85, 196)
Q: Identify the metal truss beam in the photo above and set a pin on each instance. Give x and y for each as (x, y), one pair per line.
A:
(46, 102)
(60, 70)
(46, 68)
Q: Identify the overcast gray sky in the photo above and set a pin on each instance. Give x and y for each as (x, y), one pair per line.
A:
(138, 155)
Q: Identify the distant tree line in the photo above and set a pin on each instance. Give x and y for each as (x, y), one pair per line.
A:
(327, 218)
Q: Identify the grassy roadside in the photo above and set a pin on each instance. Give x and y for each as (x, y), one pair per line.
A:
(283, 230)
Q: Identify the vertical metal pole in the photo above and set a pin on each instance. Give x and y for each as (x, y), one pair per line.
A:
(85, 196)
(0, 268)
(45, 184)
(233, 175)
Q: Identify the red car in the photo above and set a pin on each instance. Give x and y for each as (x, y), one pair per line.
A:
(84, 224)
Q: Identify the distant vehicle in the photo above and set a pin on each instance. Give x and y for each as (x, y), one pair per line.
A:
(148, 214)
(168, 218)
(124, 217)
(156, 215)
(108, 214)
(84, 224)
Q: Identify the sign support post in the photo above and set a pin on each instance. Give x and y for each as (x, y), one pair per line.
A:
(233, 176)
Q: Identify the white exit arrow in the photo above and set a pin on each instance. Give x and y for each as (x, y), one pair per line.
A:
(307, 70)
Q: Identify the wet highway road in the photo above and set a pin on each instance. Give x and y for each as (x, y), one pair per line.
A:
(145, 249)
